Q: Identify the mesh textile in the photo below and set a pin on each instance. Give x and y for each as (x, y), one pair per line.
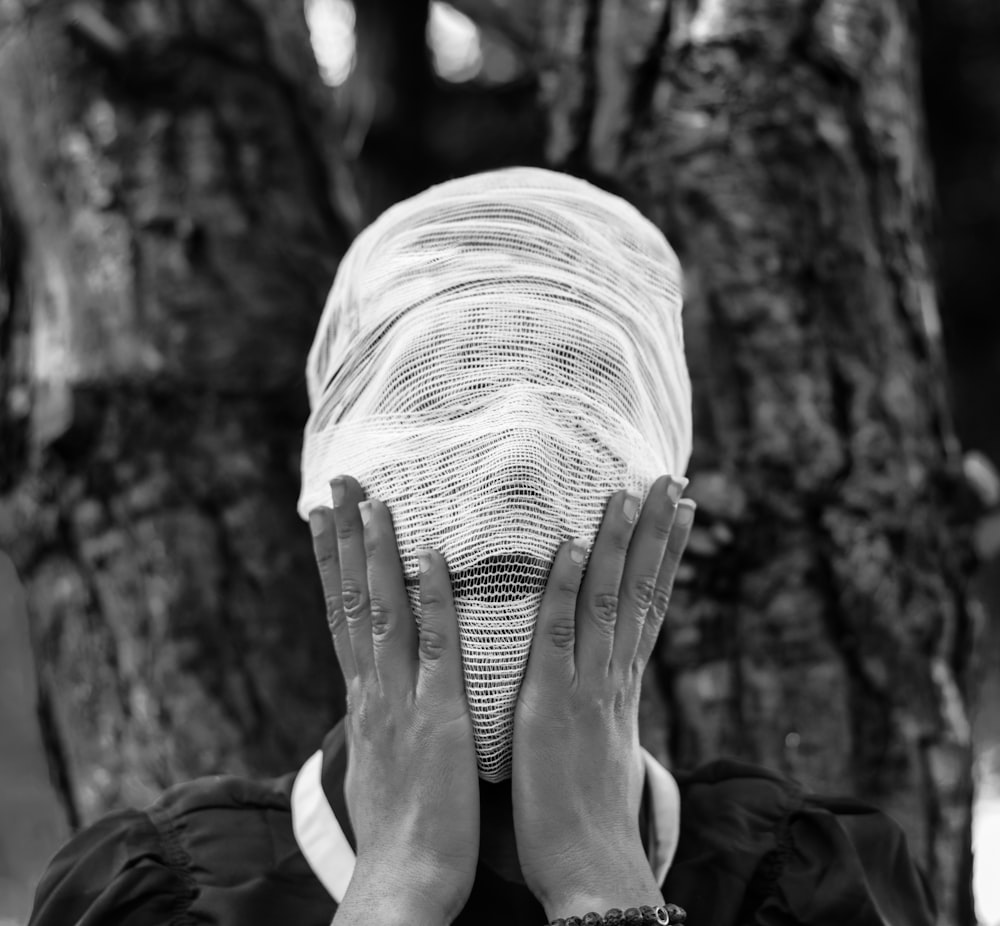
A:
(497, 356)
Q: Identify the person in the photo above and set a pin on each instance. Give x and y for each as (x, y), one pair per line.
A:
(498, 379)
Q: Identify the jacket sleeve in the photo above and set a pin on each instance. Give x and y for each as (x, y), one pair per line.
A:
(756, 849)
(118, 864)
(217, 851)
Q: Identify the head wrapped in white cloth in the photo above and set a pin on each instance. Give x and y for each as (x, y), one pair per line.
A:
(497, 356)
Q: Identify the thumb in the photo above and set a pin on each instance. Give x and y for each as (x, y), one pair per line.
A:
(551, 659)
(439, 676)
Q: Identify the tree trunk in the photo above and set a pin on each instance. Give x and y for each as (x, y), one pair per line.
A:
(172, 207)
(822, 629)
(173, 210)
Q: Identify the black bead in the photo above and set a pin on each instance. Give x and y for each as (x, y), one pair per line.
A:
(648, 914)
(633, 917)
(572, 921)
(676, 914)
(614, 917)
(558, 922)
(592, 919)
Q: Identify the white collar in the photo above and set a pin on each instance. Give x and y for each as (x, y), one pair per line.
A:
(331, 857)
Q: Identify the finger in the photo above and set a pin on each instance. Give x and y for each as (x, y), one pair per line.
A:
(353, 574)
(642, 567)
(324, 535)
(551, 657)
(440, 681)
(597, 606)
(394, 631)
(676, 545)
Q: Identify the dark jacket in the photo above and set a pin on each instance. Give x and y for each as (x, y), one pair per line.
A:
(754, 848)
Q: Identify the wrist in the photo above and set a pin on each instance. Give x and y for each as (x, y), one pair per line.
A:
(600, 902)
(619, 880)
(389, 895)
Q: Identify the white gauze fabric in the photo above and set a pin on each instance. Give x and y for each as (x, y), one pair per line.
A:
(497, 356)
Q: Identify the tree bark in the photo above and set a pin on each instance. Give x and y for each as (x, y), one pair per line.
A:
(822, 628)
(173, 209)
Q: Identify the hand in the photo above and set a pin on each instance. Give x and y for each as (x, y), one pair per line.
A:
(412, 785)
(577, 772)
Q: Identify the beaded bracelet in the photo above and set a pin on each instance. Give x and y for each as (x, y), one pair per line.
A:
(633, 916)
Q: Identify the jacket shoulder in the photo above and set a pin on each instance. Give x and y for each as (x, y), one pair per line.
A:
(218, 849)
(756, 847)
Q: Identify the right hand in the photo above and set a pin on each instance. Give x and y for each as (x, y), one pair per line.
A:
(578, 770)
(412, 785)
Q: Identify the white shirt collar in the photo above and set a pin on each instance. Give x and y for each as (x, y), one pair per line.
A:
(331, 857)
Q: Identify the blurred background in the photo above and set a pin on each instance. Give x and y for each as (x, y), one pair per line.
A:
(178, 181)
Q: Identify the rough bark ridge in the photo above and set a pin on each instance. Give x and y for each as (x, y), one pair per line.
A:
(168, 174)
(823, 630)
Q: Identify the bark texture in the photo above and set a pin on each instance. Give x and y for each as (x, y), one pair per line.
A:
(173, 203)
(173, 209)
(822, 627)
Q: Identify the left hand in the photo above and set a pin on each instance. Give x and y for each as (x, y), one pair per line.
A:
(578, 773)
(412, 787)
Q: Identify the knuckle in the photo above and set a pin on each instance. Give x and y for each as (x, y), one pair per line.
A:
(431, 598)
(433, 644)
(366, 711)
(662, 529)
(381, 617)
(621, 540)
(567, 587)
(351, 694)
(325, 558)
(345, 527)
(562, 632)
(624, 701)
(334, 612)
(605, 609)
(660, 602)
(644, 591)
(352, 598)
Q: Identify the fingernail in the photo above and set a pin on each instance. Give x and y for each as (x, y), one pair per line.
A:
(578, 551)
(424, 559)
(316, 524)
(630, 507)
(685, 512)
(675, 488)
(365, 508)
(337, 489)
